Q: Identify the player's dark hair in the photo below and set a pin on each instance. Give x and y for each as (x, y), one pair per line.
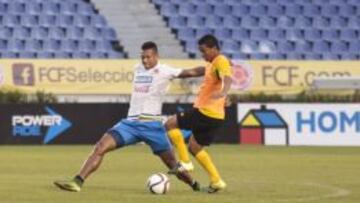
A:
(149, 45)
(209, 41)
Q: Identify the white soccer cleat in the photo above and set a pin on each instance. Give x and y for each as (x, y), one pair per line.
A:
(188, 166)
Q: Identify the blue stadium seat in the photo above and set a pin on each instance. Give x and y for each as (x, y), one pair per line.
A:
(338, 22)
(267, 47)
(249, 47)
(240, 56)
(293, 10)
(294, 34)
(258, 9)
(222, 9)
(3, 8)
(285, 21)
(74, 32)
(177, 22)
(231, 22)
(92, 33)
(276, 34)
(103, 45)
(204, 9)
(354, 46)
(240, 10)
(27, 54)
(33, 8)
(50, 8)
(39, 32)
(51, 45)
(47, 20)
(312, 56)
(321, 47)
(69, 45)
(80, 54)
(285, 2)
(44, 54)
(33, 45)
(6, 32)
(258, 56)
(295, 56)
(330, 34)
(85, 8)
(15, 7)
(350, 56)
(329, 10)
(64, 20)
(195, 21)
(8, 54)
(98, 21)
(186, 34)
(97, 54)
(267, 22)
(330, 56)
(276, 56)
(312, 34)
(10, 20)
(168, 9)
(349, 34)
(191, 46)
(321, 22)
(109, 34)
(240, 34)
(303, 22)
(62, 55)
(57, 33)
(223, 33)
(67, 8)
(3, 45)
(285, 46)
(347, 10)
(339, 47)
(15, 45)
(311, 10)
(82, 21)
(21, 32)
(86, 45)
(28, 20)
(275, 10)
(199, 32)
(115, 55)
(303, 46)
(186, 9)
(213, 21)
(354, 22)
(258, 34)
(230, 46)
(249, 21)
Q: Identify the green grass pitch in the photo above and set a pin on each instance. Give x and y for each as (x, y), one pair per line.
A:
(253, 173)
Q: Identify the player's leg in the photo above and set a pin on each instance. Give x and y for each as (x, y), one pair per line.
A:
(92, 163)
(169, 160)
(177, 139)
(204, 159)
(154, 134)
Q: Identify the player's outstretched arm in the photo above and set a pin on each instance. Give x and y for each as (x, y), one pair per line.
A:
(193, 72)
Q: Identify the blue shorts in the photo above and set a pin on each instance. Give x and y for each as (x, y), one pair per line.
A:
(153, 133)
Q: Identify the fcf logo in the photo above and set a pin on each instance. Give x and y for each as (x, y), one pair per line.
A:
(23, 74)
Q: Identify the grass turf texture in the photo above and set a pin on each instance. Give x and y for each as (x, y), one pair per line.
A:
(254, 174)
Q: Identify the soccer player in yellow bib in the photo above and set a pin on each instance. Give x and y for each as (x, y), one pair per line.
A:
(207, 114)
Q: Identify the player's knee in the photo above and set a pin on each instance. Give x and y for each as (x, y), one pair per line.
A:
(171, 123)
(100, 148)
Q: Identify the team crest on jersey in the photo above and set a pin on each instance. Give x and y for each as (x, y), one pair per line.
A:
(143, 79)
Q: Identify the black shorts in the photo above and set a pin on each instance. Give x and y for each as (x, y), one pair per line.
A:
(203, 127)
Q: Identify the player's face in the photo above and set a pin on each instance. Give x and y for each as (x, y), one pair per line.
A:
(149, 58)
(208, 53)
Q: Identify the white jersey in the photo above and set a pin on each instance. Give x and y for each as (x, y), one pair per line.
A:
(149, 87)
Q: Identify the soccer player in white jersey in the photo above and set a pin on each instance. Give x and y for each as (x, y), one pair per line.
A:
(143, 123)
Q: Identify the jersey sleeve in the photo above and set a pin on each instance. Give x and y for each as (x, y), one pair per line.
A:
(223, 67)
(171, 72)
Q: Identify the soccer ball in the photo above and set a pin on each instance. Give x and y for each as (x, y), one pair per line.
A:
(158, 183)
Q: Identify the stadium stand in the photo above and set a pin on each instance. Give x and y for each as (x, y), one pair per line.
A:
(268, 29)
(55, 29)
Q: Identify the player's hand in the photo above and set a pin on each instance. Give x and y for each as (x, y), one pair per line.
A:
(218, 95)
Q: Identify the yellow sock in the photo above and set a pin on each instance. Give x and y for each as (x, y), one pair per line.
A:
(177, 139)
(205, 160)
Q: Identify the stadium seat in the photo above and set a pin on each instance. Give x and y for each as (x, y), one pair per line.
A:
(222, 9)
(303, 46)
(267, 22)
(349, 34)
(3, 45)
(98, 55)
(276, 34)
(109, 34)
(33, 8)
(57, 33)
(330, 34)
(240, 10)
(249, 47)
(8, 54)
(312, 34)
(47, 20)
(321, 47)
(62, 55)
(276, 56)
(213, 21)
(329, 10)
(51, 45)
(223, 33)
(231, 22)
(67, 8)
(303, 22)
(10, 20)
(15, 45)
(321, 22)
(354, 22)
(350, 56)
(168, 9)
(15, 7)
(50, 8)
(44, 54)
(195, 21)
(285, 22)
(204, 9)
(40, 32)
(28, 20)
(249, 22)
(230, 46)
(257, 9)
(258, 34)
(33, 45)
(339, 47)
(267, 47)
(294, 34)
(27, 54)
(275, 10)
(285, 46)
(312, 56)
(86, 45)
(177, 22)
(292, 9)
(295, 56)
(185, 34)
(80, 54)
(347, 10)
(240, 34)
(330, 56)
(21, 32)
(311, 10)
(186, 9)
(69, 45)
(338, 22)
